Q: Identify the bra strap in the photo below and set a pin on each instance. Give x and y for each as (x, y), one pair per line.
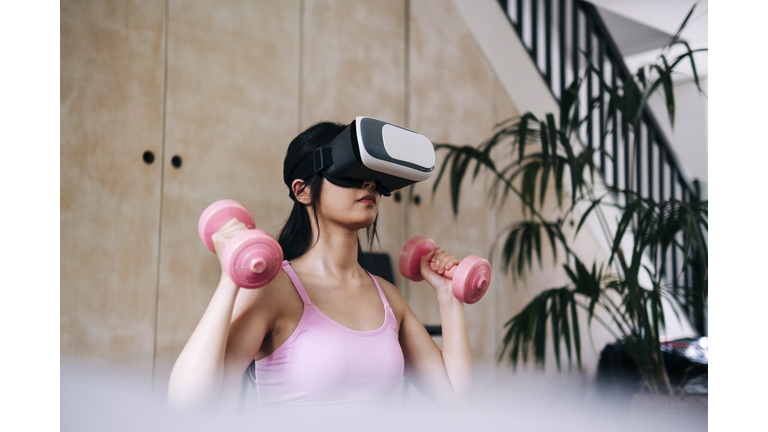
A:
(296, 282)
(381, 292)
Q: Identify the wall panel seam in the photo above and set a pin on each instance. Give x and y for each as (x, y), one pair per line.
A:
(301, 62)
(407, 86)
(162, 178)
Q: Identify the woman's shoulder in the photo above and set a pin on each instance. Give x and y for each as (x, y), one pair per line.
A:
(270, 301)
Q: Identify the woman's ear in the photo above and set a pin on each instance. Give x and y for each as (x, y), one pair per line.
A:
(301, 191)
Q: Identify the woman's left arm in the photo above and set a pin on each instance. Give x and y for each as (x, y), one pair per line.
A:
(456, 350)
(445, 377)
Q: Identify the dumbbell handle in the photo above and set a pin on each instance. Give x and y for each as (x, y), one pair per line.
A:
(448, 273)
(479, 280)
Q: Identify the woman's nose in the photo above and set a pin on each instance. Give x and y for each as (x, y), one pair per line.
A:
(369, 184)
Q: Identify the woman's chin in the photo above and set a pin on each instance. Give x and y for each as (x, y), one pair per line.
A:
(363, 222)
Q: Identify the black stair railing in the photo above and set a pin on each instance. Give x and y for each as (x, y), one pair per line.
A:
(558, 40)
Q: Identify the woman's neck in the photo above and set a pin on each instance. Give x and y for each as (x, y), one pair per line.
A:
(333, 254)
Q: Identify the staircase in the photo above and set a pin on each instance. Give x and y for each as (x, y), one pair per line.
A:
(561, 38)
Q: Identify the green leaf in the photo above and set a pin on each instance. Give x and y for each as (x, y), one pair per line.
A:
(550, 230)
(641, 76)
(631, 109)
(529, 245)
(457, 160)
(522, 135)
(555, 317)
(528, 185)
(567, 102)
(559, 175)
(676, 36)
(571, 274)
(521, 240)
(595, 203)
(537, 241)
(693, 62)
(565, 298)
(545, 162)
(451, 152)
(573, 167)
(585, 159)
(666, 80)
(458, 169)
(633, 206)
(553, 137)
(540, 335)
(576, 333)
(509, 247)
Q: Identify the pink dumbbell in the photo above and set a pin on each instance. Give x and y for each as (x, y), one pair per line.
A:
(252, 258)
(470, 278)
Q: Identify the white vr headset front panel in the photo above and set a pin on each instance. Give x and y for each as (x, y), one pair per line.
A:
(403, 145)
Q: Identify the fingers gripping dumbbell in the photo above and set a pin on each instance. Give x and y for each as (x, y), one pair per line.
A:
(470, 279)
(252, 258)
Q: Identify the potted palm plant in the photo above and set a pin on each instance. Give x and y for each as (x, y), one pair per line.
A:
(626, 288)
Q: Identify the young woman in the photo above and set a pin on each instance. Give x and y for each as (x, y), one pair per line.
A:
(324, 331)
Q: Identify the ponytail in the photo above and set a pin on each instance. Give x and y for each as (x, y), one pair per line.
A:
(296, 236)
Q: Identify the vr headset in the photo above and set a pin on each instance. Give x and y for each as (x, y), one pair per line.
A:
(370, 149)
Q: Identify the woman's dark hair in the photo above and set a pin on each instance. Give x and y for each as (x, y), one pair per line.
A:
(296, 235)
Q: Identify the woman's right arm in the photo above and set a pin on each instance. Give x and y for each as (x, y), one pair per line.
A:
(224, 342)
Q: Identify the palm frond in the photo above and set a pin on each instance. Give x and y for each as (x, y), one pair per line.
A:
(457, 161)
(521, 240)
(568, 100)
(689, 54)
(546, 160)
(595, 203)
(527, 330)
(669, 94)
(673, 40)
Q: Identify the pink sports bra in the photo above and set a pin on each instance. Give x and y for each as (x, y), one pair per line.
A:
(324, 362)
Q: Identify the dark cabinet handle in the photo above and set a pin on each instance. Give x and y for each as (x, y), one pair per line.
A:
(176, 161)
(148, 157)
(399, 197)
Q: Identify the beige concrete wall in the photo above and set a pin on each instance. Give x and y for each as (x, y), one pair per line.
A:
(452, 100)
(225, 86)
(232, 107)
(112, 56)
(353, 63)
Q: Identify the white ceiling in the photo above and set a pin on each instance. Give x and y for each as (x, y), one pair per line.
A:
(641, 28)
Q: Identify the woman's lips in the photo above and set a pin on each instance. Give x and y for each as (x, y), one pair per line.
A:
(368, 199)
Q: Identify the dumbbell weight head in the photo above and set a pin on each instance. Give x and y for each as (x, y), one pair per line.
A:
(252, 259)
(410, 257)
(471, 279)
(219, 213)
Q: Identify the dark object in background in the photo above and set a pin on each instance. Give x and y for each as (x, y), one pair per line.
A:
(686, 361)
(377, 264)
(617, 376)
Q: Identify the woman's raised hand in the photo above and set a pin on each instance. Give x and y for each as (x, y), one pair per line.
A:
(221, 237)
(434, 265)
